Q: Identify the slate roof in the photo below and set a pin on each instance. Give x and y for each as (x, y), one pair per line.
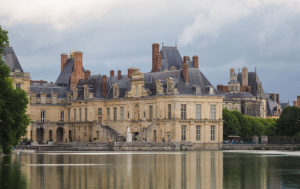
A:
(238, 95)
(10, 59)
(271, 106)
(253, 82)
(170, 56)
(49, 88)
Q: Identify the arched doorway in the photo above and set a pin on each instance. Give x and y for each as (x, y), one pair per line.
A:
(40, 135)
(59, 134)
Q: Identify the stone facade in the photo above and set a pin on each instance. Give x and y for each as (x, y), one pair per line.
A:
(173, 103)
(297, 102)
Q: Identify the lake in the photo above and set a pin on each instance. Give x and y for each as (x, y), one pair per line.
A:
(203, 169)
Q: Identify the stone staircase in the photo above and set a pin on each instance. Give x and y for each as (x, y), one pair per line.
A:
(144, 134)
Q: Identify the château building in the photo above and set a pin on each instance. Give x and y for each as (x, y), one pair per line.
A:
(245, 93)
(174, 102)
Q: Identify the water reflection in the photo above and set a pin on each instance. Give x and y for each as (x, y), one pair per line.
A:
(149, 170)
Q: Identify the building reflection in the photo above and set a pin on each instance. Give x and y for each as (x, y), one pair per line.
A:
(160, 170)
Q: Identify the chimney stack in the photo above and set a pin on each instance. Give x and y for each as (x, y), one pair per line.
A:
(63, 60)
(119, 74)
(112, 73)
(245, 77)
(130, 71)
(185, 71)
(104, 86)
(77, 62)
(158, 62)
(155, 51)
(195, 61)
(87, 74)
(185, 59)
(277, 99)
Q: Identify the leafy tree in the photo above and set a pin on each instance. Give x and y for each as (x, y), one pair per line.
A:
(289, 122)
(231, 124)
(13, 104)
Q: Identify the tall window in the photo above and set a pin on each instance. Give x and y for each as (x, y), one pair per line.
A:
(198, 111)
(122, 113)
(213, 112)
(62, 116)
(115, 113)
(99, 111)
(212, 133)
(183, 132)
(75, 119)
(80, 114)
(183, 111)
(169, 111)
(18, 86)
(108, 114)
(198, 133)
(69, 115)
(150, 113)
(86, 114)
(43, 115)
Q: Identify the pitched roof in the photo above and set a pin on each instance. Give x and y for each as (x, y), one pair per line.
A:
(10, 59)
(170, 57)
(48, 89)
(238, 95)
(65, 75)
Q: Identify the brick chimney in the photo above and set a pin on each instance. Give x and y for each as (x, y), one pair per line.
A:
(185, 72)
(158, 62)
(104, 86)
(277, 98)
(195, 61)
(63, 60)
(87, 74)
(185, 59)
(130, 71)
(245, 76)
(119, 74)
(77, 73)
(298, 100)
(155, 51)
(112, 73)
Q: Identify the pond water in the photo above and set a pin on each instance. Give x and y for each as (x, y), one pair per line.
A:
(204, 169)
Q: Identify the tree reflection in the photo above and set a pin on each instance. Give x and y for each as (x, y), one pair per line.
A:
(10, 174)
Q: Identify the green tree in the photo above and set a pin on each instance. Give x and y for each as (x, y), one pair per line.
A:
(289, 122)
(231, 125)
(13, 104)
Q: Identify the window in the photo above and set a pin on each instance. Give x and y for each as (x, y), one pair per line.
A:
(75, 114)
(122, 113)
(18, 86)
(99, 111)
(212, 133)
(136, 90)
(183, 111)
(128, 115)
(116, 92)
(69, 115)
(108, 114)
(50, 135)
(115, 114)
(43, 115)
(80, 114)
(213, 112)
(198, 111)
(169, 111)
(150, 113)
(183, 132)
(198, 133)
(86, 114)
(62, 116)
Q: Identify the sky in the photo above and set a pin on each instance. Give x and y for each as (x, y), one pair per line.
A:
(118, 34)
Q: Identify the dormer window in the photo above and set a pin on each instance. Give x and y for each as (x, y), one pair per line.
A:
(210, 89)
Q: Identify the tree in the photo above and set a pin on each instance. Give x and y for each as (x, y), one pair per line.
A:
(13, 105)
(231, 124)
(289, 122)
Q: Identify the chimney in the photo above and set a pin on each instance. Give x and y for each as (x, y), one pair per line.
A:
(158, 62)
(104, 86)
(119, 74)
(294, 103)
(77, 62)
(185, 72)
(63, 60)
(245, 76)
(112, 73)
(155, 51)
(232, 73)
(130, 71)
(298, 100)
(185, 59)
(87, 74)
(277, 98)
(195, 61)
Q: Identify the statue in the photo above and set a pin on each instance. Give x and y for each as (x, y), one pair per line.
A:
(128, 135)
